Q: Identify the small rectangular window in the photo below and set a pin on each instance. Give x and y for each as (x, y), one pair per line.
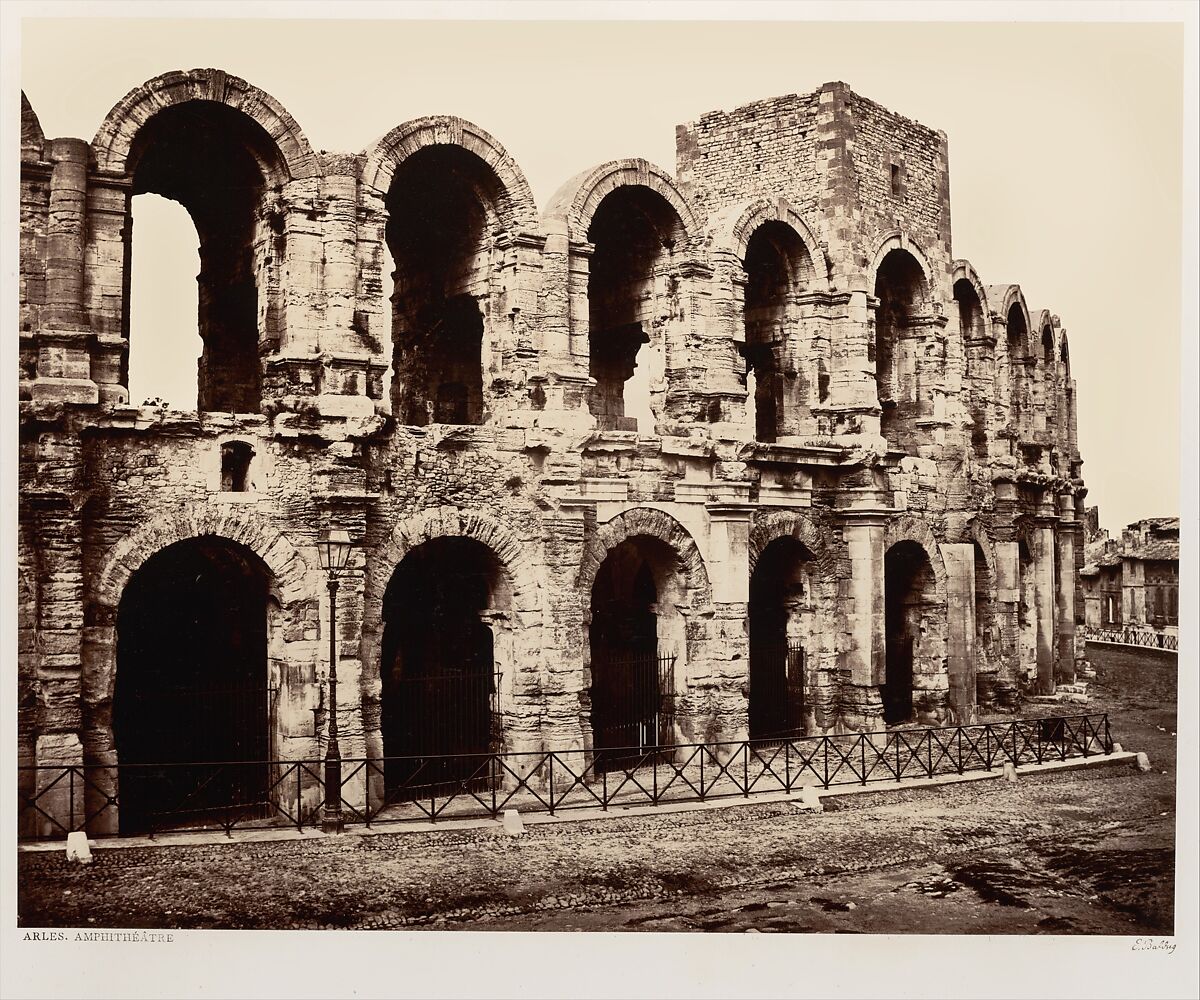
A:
(895, 180)
(235, 466)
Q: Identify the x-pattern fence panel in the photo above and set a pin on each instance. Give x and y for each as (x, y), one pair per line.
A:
(56, 800)
(1148, 638)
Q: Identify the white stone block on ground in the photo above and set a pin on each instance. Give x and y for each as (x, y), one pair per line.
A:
(514, 826)
(1143, 763)
(78, 848)
(1010, 772)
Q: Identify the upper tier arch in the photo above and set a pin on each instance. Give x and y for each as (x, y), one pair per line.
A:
(577, 200)
(732, 228)
(517, 209)
(117, 133)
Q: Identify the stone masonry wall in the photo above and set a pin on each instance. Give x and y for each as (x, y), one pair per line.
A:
(540, 481)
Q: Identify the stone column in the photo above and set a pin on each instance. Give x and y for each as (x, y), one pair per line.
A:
(862, 599)
(64, 359)
(1064, 672)
(960, 617)
(1042, 542)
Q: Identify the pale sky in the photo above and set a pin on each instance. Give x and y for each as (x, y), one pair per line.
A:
(1065, 154)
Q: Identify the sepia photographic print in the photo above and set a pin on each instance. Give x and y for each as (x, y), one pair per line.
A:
(711, 472)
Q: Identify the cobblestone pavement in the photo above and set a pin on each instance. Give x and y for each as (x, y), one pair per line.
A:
(1088, 851)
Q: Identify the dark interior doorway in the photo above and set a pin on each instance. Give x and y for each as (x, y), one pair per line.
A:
(439, 678)
(191, 691)
(908, 579)
(777, 600)
(632, 690)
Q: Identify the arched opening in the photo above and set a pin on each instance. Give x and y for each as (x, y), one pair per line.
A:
(901, 291)
(634, 231)
(443, 206)
(780, 617)
(971, 325)
(909, 597)
(192, 692)
(635, 625)
(776, 263)
(440, 683)
(1017, 337)
(215, 162)
(1026, 613)
(163, 305)
(986, 633)
(1049, 380)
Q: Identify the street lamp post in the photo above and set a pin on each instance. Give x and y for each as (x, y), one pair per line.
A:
(333, 550)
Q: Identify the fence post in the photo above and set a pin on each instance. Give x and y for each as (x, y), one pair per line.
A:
(929, 750)
(551, 782)
(825, 741)
(746, 769)
(862, 757)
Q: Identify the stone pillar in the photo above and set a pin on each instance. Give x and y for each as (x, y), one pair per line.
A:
(64, 359)
(1042, 542)
(729, 572)
(1064, 672)
(862, 598)
(60, 625)
(1008, 600)
(960, 618)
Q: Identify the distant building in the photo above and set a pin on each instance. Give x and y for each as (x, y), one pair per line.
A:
(1134, 580)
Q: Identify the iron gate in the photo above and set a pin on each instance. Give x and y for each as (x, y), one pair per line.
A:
(776, 690)
(633, 706)
(441, 718)
(188, 752)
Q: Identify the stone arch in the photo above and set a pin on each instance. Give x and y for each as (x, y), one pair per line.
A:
(1064, 354)
(654, 523)
(770, 525)
(732, 228)
(577, 200)
(287, 566)
(291, 591)
(115, 137)
(1043, 323)
(964, 270)
(517, 209)
(33, 139)
(519, 640)
(907, 528)
(981, 536)
(1004, 298)
(440, 522)
(897, 240)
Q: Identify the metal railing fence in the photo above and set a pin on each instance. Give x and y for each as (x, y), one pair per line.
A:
(56, 800)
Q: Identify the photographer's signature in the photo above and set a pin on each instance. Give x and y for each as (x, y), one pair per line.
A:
(1154, 944)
